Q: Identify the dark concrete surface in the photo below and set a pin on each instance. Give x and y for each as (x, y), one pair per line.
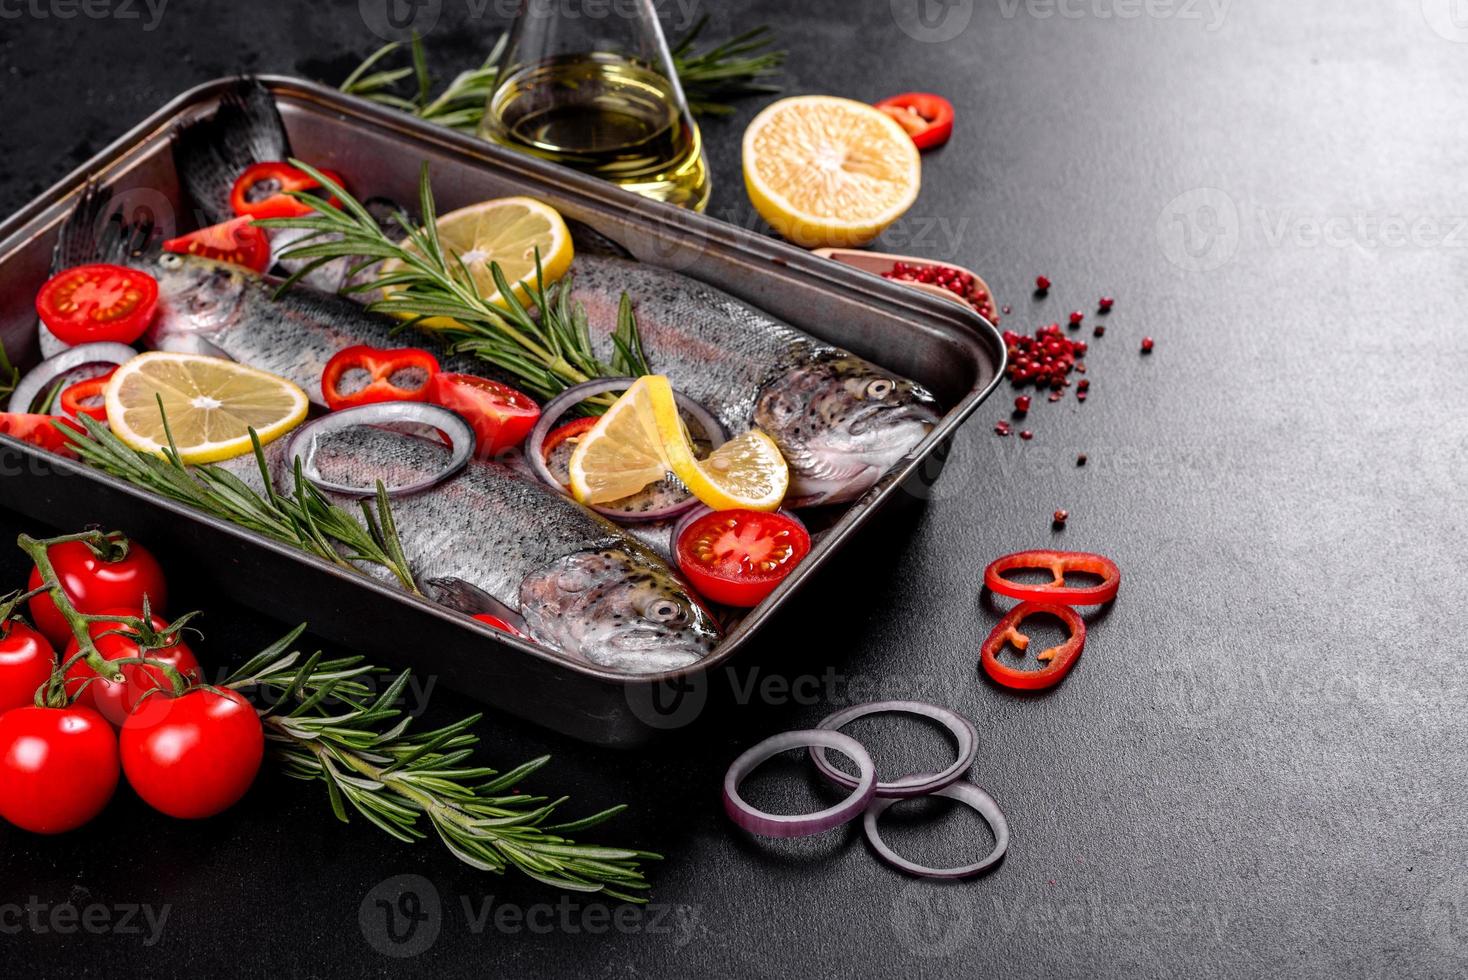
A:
(1258, 767)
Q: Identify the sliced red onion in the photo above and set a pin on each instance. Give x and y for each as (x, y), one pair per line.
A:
(686, 521)
(798, 825)
(908, 786)
(40, 378)
(966, 793)
(458, 432)
(557, 407)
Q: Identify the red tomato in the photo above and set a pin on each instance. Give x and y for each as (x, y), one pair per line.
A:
(26, 661)
(115, 700)
(927, 118)
(237, 242)
(737, 557)
(43, 431)
(388, 373)
(98, 302)
(501, 416)
(194, 755)
(259, 192)
(58, 767)
(86, 397)
(95, 585)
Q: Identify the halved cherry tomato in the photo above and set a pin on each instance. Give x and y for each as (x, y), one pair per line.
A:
(86, 397)
(571, 430)
(95, 582)
(40, 430)
(238, 242)
(1058, 660)
(927, 118)
(489, 619)
(1057, 563)
(116, 700)
(98, 303)
(737, 557)
(401, 374)
(259, 192)
(501, 416)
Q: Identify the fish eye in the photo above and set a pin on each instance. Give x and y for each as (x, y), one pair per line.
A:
(170, 261)
(664, 611)
(880, 388)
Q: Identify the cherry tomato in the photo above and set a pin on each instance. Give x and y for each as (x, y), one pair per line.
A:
(115, 700)
(393, 374)
(86, 397)
(737, 557)
(43, 431)
(194, 755)
(259, 192)
(26, 661)
(95, 585)
(237, 241)
(58, 767)
(927, 118)
(98, 302)
(501, 416)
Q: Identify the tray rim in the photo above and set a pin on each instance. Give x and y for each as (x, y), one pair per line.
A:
(597, 195)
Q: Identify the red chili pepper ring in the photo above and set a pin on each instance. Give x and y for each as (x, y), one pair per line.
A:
(1058, 660)
(1057, 563)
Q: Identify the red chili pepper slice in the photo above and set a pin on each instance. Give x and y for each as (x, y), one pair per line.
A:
(75, 396)
(489, 619)
(928, 118)
(260, 192)
(1056, 563)
(1058, 660)
(237, 241)
(381, 367)
(574, 429)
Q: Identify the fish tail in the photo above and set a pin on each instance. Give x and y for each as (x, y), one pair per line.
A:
(210, 153)
(90, 234)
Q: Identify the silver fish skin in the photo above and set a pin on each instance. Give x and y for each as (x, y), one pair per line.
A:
(580, 585)
(840, 421)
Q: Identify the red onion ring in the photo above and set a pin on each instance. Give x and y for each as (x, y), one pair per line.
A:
(966, 793)
(452, 425)
(40, 377)
(798, 825)
(909, 786)
(558, 406)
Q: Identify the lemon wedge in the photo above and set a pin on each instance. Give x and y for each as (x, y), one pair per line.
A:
(211, 404)
(508, 231)
(641, 438)
(832, 172)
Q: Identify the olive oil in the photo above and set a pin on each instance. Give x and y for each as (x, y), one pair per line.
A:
(607, 116)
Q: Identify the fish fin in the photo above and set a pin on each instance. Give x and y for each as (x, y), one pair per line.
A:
(470, 599)
(210, 153)
(90, 234)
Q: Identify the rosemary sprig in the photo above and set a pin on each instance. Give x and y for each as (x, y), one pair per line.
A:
(427, 280)
(740, 67)
(9, 373)
(304, 518)
(325, 725)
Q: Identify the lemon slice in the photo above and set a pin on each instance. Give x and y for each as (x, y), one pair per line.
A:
(642, 437)
(508, 231)
(211, 404)
(825, 171)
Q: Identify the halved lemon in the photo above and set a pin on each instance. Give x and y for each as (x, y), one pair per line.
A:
(832, 172)
(642, 437)
(211, 404)
(508, 231)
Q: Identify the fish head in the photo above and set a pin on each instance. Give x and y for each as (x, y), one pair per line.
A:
(196, 296)
(841, 422)
(618, 610)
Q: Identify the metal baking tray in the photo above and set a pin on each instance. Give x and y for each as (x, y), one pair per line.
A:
(956, 354)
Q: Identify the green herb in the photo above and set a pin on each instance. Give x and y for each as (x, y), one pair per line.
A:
(326, 725)
(425, 280)
(9, 374)
(738, 68)
(304, 519)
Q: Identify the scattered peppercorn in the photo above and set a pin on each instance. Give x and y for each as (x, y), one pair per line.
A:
(1100, 331)
(1027, 435)
(1022, 404)
(1006, 311)
(1045, 359)
(1042, 284)
(1106, 303)
(1147, 345)
(1061, 516)
(1001, 428)
(1076, 318)
(1081, 459)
